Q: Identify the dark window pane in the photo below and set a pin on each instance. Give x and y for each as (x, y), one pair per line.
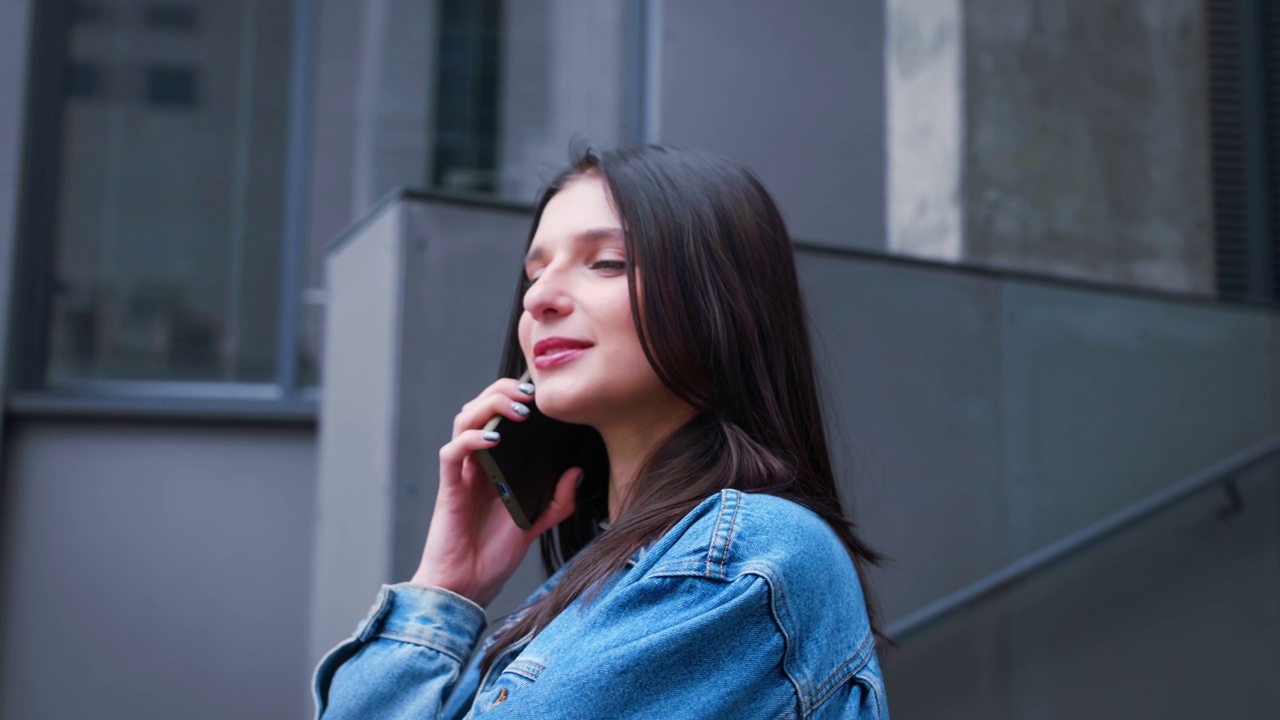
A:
(177, 17)
(167, 235)
(499, 88)
(171, 86)
(87, 12)
(84, 80)
(466, 107)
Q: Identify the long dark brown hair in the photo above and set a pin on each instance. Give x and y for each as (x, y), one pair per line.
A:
(723, 324)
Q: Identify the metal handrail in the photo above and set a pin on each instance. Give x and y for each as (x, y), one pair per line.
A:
(1222, 472)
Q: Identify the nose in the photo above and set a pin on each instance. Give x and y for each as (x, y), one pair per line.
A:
(548, 296)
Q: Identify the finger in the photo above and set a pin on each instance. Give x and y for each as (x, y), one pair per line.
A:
(456, 450)
(480, 413)
(561, 505)
(507, 386)
(510, 388)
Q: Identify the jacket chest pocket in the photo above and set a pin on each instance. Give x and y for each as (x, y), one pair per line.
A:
(514, 680)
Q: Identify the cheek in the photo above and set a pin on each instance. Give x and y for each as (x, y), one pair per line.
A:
(623, 327)
(523, 331)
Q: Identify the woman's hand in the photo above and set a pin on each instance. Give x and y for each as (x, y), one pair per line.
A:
(473, 545)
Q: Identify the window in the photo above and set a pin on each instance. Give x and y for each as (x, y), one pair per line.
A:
(1244, 123)
(153, 239)
(485, 96)
(176, 17)
(84, 80)
(87, 12)
(173, 87)
(466, 118)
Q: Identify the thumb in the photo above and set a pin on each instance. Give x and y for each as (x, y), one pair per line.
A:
(561, 505)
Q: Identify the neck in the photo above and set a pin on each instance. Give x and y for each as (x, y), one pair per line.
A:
(629, 444)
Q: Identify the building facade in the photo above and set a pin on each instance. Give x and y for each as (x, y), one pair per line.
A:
(1035, 237)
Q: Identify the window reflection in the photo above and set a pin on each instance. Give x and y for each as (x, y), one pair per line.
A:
(167, 261)
(484, 96)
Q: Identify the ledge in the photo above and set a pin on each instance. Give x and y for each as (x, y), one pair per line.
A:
(303, 410)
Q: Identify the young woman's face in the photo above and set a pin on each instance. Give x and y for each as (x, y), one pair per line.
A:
(576, 332)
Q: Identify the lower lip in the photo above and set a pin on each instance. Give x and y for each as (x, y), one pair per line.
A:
(542, 362)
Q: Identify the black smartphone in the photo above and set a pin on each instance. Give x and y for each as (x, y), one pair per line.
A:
(528, 461)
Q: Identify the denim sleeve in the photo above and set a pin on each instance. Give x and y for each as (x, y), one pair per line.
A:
(405, 658)
(665, 647)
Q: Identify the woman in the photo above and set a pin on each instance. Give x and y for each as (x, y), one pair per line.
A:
(703, 566)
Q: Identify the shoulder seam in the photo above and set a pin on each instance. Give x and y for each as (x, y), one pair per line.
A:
(729, 501)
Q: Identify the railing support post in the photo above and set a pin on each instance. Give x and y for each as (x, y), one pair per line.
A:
(1235, 502)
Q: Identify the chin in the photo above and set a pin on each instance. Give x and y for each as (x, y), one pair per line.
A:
(564, 410)
(571, 405)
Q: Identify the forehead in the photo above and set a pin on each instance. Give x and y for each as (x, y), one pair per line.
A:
(581, 205)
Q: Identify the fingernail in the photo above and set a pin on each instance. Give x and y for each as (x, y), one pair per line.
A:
(492, 436)
(581, 474)
(526, 388)
(521, 409)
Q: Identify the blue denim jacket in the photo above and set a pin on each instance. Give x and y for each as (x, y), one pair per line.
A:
(748, 608)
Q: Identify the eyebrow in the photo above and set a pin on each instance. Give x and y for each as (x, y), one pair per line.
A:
(593, 235)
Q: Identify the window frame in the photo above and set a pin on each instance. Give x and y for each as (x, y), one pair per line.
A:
(35, 255)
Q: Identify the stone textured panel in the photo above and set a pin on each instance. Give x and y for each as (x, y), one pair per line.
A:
(1087, 150)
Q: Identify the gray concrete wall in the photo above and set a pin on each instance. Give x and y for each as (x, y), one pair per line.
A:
(1055, 136)
(1087, 140)
(418, 306)
(794, 91)
(913, 384)
(1108, 399)
(355, 484)
(981, 419)
(154, 570)
(975, 419)
(1003, 415)
(1178, 619)
(925, 94)
(457, 295)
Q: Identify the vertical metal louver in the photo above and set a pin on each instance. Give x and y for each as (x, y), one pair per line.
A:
(1226, 147)
(1270, 92)
(467, 103)
(1244, 69)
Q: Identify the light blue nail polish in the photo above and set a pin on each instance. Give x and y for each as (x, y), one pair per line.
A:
(526, 388)
(521, 409)
(492, 436)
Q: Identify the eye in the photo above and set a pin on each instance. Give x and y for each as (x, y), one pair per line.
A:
(609, 265)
